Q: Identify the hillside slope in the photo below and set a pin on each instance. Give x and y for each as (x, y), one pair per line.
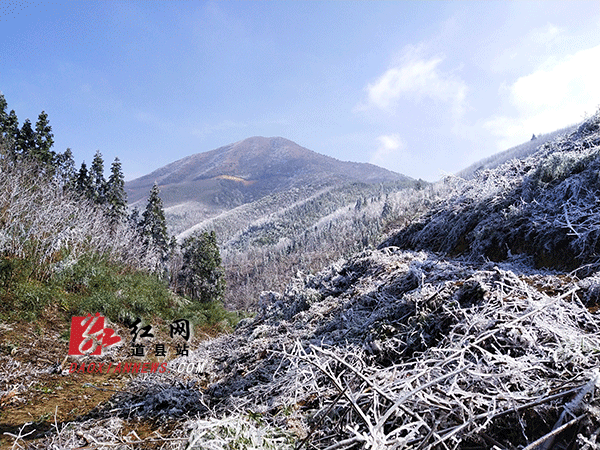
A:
(518, 152)
(407, 349)
(391, 348)
(544, 207)
(277, 208)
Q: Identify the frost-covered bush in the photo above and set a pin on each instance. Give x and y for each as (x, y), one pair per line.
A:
(237, 432)
(43, 223)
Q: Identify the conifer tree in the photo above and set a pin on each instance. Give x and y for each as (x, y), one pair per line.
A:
(201, 276)
(11, 132)
(83, 183)
(387, 210)
(44, 140)
(134, 218)
(25, 140)
(3, 113)
(116, 196)
(154, 224)
(98, 182)
(65, 169)
(3, 124)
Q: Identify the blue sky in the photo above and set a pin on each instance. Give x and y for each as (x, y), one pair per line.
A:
(421, 88)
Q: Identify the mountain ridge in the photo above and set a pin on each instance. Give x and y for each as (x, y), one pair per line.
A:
(257, 164)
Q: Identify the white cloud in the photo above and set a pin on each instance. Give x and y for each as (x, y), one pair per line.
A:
(390, 147)
(548, 41)
(416, 78)
(546, 34)
(550, 98)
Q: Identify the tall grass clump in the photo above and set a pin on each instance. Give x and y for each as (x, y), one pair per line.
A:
(95, 284)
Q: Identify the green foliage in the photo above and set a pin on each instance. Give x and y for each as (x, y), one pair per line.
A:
(22, 295)
(201, 276)
(211, 314)
(65, 169)
(8, 126)
(9, 131)
(43, 141)
(25, 140)
(32, 144)
(83, 182)
(94, 284)
(57, 248)
(92, 185)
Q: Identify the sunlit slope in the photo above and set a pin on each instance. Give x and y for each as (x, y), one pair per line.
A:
(519, 152)
(544, 206)
(247, 170)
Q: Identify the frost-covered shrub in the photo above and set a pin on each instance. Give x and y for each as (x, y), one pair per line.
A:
(237, 432)
(43, 223)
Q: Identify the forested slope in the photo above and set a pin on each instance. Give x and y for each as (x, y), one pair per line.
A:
(265, 243)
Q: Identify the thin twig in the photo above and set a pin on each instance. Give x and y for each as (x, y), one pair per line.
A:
(550, 436)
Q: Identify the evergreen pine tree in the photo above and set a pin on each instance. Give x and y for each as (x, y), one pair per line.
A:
(154, 224)
(65, 169)
(201, 276)
(98, 182)
(3, 113)
(116, 196)
(83, 182)
(44, 141)
(387, 210)
(25, 140)
(11, 132)
(134, 218)
(3, 123)
(9, 129)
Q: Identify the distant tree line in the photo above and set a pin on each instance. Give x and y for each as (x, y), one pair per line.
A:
(193, 268)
